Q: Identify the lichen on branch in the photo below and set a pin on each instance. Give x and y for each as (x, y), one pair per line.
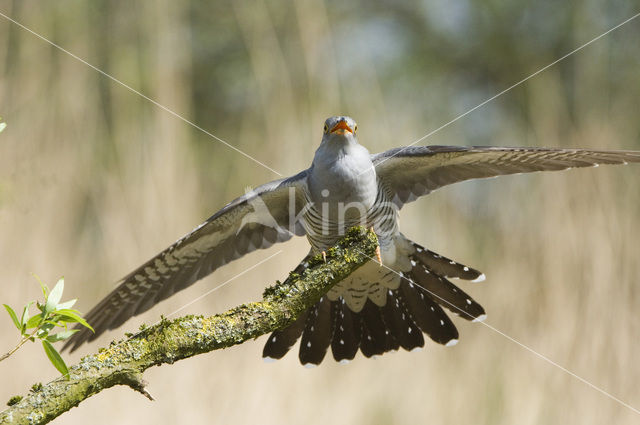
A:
(123, 363)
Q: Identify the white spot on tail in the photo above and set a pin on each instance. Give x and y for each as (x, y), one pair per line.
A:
(344, 361)
(309, 365)
(480, 278)
(451, 343)
(480, 318)
(269, 359)
(416, 350)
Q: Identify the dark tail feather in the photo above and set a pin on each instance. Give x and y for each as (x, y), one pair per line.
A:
(399, 322)
(380, 328)
(375, 335)
(410, 310)
(445, 267)
(317, 333)
(428, 315)
(445, 293)
(347, 332)
(280, 342)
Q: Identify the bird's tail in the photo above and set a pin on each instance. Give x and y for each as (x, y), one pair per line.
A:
(412, 309)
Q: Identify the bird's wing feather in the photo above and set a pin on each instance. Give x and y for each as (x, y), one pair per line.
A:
(411, 172)
(256, 220)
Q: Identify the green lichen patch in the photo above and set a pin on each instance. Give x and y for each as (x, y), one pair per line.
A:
(13, 400)
(123, 362)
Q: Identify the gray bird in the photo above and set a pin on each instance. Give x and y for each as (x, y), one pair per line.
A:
(379, 307)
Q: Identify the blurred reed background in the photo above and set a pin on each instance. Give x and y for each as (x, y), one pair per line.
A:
(94, 180)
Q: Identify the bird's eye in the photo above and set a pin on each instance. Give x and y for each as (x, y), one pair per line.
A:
(355, 129)
(326, 128)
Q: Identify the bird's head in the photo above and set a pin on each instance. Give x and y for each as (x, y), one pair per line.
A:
(340, 129)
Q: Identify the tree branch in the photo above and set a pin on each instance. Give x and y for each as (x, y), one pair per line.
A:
(124, 362)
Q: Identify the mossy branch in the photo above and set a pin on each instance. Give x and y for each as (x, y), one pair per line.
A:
(123, 363)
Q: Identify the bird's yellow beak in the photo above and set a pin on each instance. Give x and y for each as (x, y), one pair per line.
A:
(341, 128)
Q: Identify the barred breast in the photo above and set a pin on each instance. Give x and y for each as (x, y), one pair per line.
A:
(371, 281)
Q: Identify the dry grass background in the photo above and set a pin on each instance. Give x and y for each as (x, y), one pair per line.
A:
(94, 180)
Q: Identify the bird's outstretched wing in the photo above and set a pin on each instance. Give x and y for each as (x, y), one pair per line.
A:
(256, 220)
(411, 172)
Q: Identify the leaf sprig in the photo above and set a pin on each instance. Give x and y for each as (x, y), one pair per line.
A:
(53, 314)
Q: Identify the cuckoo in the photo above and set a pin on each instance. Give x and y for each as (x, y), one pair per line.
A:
(388, 303)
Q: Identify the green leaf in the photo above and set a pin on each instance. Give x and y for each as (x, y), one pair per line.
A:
(61, 336)
(56, 323)
(70, 315)
(66, 304)
(13, 316)
(25, 313)
(2, 126)
(34, 321)
(55, 358)
(43, 286)
(25, 316)
(54, 297)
